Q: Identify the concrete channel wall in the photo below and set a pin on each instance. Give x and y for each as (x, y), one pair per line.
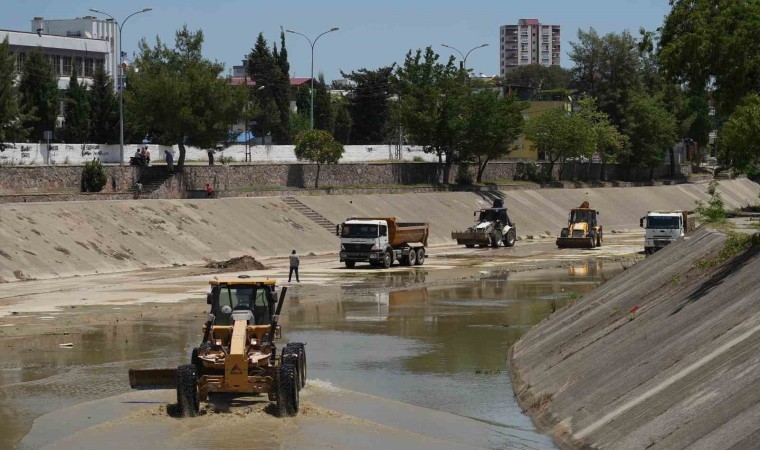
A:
(663, 356)
(43, 240)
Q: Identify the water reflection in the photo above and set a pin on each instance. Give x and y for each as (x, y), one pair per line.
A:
(440, 347)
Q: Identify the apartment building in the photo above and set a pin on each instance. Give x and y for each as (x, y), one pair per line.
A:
(528, 42)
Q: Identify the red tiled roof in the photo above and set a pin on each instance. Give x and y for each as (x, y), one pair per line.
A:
(297, 81)
(238, 81)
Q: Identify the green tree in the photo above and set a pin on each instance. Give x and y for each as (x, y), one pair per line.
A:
(323, 114)
(268, 69)
(607, 140)
(492, 125)
(180, 97)
(740, 136)
(11, 119)
(319, 147)
(342, 122)
(431, 99)
(368, 104)
(651, 129)
(561, 136)
(713, 43)
(38, 89)
(608, 69)
(76, 112)
(540, 78)
(104, 108)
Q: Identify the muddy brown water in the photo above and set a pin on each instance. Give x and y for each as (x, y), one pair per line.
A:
(440, 347)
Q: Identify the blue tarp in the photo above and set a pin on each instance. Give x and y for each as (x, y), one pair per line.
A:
(242, 138)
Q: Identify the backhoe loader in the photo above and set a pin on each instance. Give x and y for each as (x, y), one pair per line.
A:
(582, 231)
(237, 353)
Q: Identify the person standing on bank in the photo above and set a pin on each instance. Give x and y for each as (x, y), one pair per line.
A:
(294, 262)
(169, 162)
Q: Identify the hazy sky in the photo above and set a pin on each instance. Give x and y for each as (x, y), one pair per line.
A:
(372, 34)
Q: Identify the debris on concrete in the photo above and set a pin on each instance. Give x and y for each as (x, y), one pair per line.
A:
(240, 263)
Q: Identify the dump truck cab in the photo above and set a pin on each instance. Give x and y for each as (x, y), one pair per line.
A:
(664, 227)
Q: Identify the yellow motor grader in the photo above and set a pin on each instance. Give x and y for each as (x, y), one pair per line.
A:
(238, 352)
(582, 231)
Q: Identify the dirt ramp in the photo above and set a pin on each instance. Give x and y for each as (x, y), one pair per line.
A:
(662, 356)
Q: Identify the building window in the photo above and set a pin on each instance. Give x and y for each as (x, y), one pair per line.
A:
(66, 65)
(20, 60)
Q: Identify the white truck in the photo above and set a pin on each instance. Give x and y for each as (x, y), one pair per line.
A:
(382, 240)
(664, 227)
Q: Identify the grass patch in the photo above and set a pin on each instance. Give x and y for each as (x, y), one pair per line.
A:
(735, 244)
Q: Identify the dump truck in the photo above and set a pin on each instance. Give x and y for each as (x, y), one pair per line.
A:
(237, 354)
(382, 240)
(664, 227)
(582, 230)
(492, 227)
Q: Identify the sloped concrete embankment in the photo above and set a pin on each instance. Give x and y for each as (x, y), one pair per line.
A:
(43, 240)
(665, 355)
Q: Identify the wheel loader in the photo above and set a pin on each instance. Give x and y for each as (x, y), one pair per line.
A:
(582, 231)
(238, 353)
(492, 227)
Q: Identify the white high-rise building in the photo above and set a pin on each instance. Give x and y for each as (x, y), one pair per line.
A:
(528, 42)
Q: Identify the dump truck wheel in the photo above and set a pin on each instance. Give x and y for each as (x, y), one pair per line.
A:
(387, 260)
(350, 264)
(509, 240)
(287, 390)
(411, 260)
(420, 256)
(188, 402)
(495, 238)
(469, 245)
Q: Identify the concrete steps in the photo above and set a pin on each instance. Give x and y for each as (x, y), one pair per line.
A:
(312, 215)
(152, 178)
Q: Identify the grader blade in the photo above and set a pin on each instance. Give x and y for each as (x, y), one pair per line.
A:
(153, 378)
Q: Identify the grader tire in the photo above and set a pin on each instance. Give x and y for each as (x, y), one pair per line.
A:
(188, 402)
(300, 349)
(509, 240)
(287, 390)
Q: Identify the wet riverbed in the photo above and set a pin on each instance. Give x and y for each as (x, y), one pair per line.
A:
(440, 347)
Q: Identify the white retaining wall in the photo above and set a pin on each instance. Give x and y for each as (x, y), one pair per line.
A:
(42, 154)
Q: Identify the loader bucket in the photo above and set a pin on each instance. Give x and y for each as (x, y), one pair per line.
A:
(153, 378)
(467, 237)
(575, 242)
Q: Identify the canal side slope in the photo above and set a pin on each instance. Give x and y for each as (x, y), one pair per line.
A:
(47, 240)
(665, 355)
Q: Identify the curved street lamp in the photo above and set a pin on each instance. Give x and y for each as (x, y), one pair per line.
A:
(464, 56)
(313, 43)
(121, 77)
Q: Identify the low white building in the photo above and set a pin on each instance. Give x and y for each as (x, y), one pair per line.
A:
(85, 42)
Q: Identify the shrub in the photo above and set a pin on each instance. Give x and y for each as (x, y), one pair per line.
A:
(418, 158)
(94, 176)
(530, 171)
(463, 174)
(715, 210)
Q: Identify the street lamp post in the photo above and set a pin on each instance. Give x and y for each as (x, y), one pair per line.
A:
(312, 43)
(464, 56)
(120, 81)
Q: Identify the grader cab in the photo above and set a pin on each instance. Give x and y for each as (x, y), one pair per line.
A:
(238, 353)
